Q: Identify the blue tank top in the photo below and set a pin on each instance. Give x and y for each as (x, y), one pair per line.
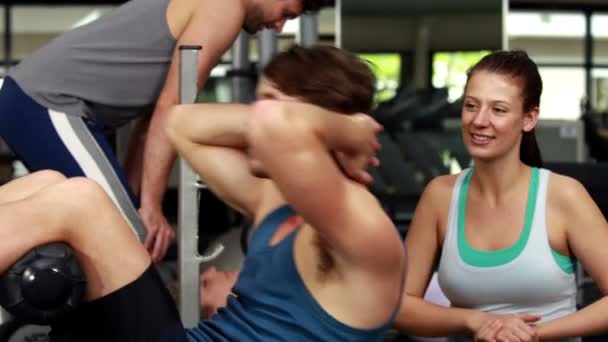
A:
(272, 302)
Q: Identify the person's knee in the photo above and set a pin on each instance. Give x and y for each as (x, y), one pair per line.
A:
(81, 196)
(81, 201)
(47, 177)
(175, 121)
(84, 186)
(65, 205)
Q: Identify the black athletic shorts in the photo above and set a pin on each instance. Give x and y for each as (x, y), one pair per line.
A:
(142, 311)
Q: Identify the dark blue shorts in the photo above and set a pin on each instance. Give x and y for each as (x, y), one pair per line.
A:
(75, 146)
(142, 311)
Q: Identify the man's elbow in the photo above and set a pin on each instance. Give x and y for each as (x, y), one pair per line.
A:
(273, 122)
(266, 122)
(267, 114)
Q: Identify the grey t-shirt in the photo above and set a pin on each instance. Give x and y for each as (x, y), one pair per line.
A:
(111, 70)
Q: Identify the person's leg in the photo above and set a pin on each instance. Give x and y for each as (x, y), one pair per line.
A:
(125, 297)
(45, 139)
(78, 212)
(25, 186)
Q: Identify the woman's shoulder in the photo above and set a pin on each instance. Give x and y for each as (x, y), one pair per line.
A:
(441, 186)
(565, 191)
(565, 186)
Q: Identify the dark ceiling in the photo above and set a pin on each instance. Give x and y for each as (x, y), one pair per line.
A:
(63, 2)
(420, 7)
(459, 7)
(393, 7)
(600, 5)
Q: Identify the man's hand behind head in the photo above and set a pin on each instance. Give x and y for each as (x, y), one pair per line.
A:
(355, 162)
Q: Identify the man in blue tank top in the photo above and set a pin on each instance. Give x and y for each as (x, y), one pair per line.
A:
(325, 263)
(56, 105)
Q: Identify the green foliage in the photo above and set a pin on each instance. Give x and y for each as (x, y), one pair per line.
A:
(387, 68)
(450, 68)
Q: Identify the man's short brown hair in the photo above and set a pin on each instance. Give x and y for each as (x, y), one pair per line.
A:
(325, 76)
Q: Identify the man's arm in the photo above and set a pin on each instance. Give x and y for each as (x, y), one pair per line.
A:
(202, 29)
(212, 139)
(133, 159)
(293, 142)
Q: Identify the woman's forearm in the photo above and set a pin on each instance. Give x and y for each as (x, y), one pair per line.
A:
(591, 320)
(422, 318)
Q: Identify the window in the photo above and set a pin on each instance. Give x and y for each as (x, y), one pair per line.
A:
(387, 68)
(599, 95)
(563, 92)
(450, 70)
(218, 86)
(599, 30)
(548, 37)
(34, 26)
(556, 42)
(546, 24)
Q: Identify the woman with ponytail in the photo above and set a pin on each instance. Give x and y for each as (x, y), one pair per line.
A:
(504, 234)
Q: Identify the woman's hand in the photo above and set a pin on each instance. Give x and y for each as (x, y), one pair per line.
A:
(487, 331)
(507, 328)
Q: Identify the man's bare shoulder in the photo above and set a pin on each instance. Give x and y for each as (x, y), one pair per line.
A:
(181, 13)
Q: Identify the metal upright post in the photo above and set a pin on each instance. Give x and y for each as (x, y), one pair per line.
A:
(309, 30)
(189, 259)
(267, 47)
(187, 215)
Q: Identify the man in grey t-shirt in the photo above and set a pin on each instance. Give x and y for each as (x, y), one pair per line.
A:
(56, 105)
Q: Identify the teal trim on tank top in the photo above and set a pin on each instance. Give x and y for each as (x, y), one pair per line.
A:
(479, 258)
(566, 263)
(499, 257)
